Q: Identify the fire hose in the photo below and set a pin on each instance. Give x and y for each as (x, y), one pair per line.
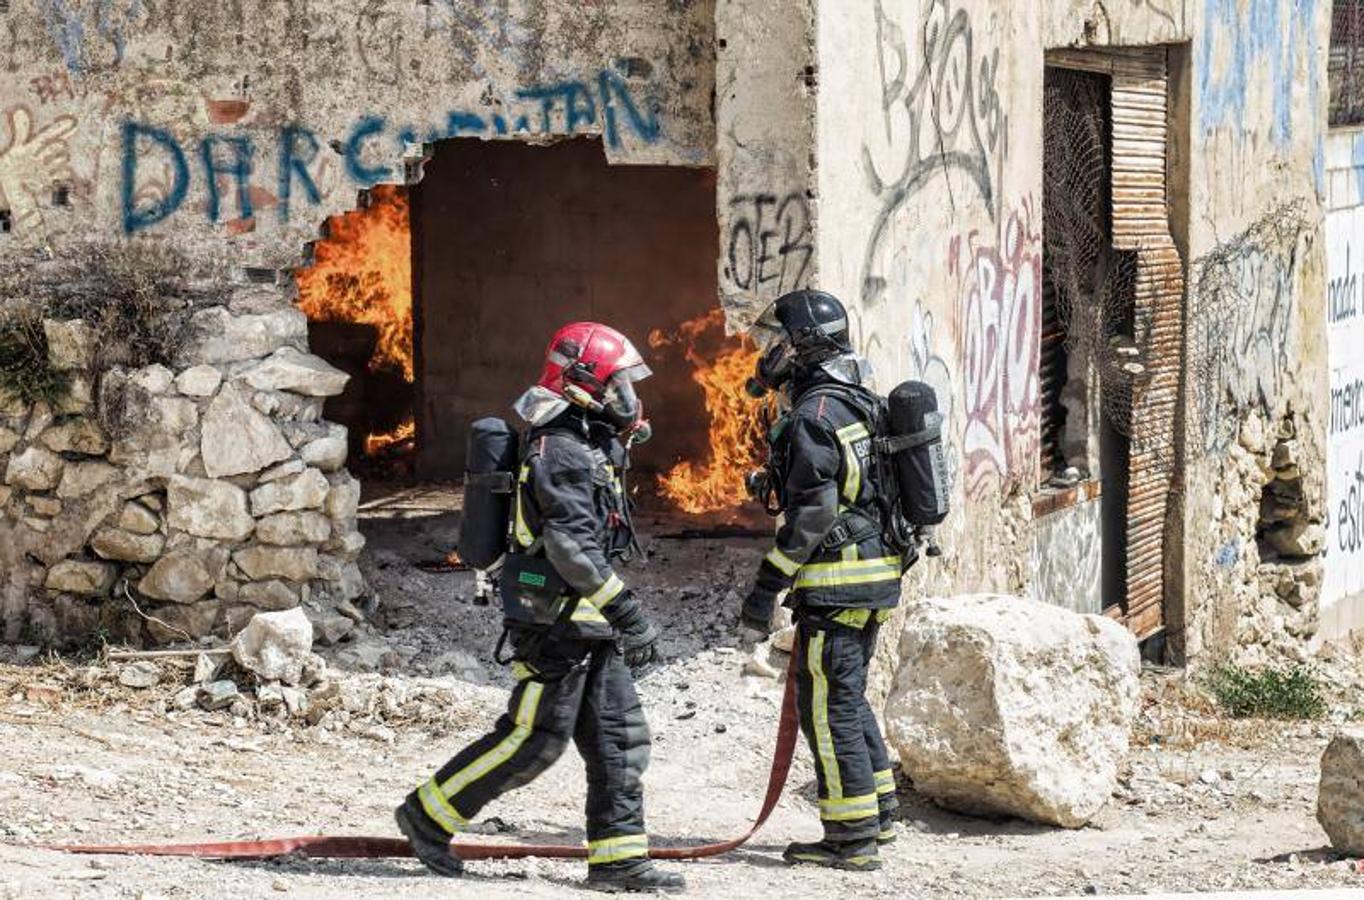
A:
(357, 847)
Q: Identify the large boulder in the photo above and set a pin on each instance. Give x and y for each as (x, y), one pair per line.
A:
(1004, 705)
(237, 439)
(1340, 801)
(288, 369)
(274, 646)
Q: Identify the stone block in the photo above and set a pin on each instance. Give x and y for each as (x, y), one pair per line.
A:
(1003, 705)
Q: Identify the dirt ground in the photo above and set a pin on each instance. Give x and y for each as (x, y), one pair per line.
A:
(1204, 804)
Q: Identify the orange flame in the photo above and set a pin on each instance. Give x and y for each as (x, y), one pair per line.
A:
(735, 434)
(363, 273)
(377, 444)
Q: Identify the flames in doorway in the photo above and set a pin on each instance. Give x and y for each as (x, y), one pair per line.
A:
(362, 273)
(720, 366)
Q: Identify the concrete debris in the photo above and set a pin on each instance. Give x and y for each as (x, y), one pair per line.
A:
(217, 695)
(141, 674)
(207, 666)
(1012, 706)
(1340, 796)
(275, 646)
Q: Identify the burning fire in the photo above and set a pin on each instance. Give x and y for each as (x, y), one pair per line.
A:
(735, 436)
(363, 273)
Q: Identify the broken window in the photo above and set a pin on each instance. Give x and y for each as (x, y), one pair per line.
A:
(1345, 71)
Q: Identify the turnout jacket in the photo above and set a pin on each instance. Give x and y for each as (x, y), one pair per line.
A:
(831, 550)
(571, 508)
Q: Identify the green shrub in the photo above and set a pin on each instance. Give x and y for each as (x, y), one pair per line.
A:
(25, 370)
(1291, 692)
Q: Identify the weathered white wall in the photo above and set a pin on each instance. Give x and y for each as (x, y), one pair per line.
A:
(929, 187)
(765, 85)
(1342, 603)
(314, 101)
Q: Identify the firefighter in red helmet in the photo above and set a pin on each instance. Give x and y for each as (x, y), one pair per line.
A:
(575, 630)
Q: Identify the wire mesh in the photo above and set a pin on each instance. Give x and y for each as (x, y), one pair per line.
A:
(1094, 283)
(1345, 70)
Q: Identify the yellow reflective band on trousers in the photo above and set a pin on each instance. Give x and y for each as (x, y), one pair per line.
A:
(847, 809)
(824, 738)
(785, 564)
(505, 749)
(609, 590)
(523, 532)
(609, 850)
(848, 436)
(850, 572)
(853, 618)
(885, 781)
(439, 809)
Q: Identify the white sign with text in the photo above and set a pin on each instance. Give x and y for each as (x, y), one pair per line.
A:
(1345, 419)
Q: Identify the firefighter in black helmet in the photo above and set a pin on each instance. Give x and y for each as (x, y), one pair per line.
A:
(575, 629)
(833, 558)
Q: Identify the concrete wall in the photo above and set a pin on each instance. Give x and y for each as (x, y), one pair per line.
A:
(245, 124)
(514, 241)
(1342, 604)
(929, 183)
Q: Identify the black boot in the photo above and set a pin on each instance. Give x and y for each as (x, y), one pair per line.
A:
(887, 835)
(431, 847)
(634, 877)
(854, 856)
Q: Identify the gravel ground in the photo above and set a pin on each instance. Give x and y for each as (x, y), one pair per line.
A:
(1204, 804)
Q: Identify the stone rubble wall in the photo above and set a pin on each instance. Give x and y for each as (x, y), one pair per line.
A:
(196, 496)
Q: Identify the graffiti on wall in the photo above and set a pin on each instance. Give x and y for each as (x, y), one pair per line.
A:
(1248, 47)
(224, 164)
(35, 157)
(1000, 321)
(941, 116)
(771, 242)
(1242, 322)
(1345, 424)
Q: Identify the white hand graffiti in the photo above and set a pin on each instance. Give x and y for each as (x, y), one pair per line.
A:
(31, 163)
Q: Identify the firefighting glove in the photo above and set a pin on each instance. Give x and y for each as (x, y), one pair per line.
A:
(762, 600)
(638, 636)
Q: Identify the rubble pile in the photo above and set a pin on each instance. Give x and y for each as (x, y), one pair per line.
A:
(203, 495)
(1004, 705)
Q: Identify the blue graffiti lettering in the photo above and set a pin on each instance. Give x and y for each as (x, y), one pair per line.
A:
(458, 123)
(366, 176)
(136, 218)
(294, 164)
(238, 169)
(611, 84)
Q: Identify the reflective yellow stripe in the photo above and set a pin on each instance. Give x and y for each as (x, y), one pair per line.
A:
(824, 738)
(586, 611)
(862, 571)
(853, 618)
(785, 564)
(521, 671)
(849, 435)
(479, 768)
(883, 616)
(439, 809)
(524, 537)
(885, 781)
(609, 590)
(609, 850)
(848, 808)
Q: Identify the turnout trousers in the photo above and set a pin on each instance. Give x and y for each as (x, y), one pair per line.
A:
(589, 699)
(856, 786)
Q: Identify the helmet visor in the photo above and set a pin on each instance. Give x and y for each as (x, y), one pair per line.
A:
(622, 403)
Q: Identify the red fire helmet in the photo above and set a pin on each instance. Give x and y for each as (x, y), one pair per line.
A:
(591, 356)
